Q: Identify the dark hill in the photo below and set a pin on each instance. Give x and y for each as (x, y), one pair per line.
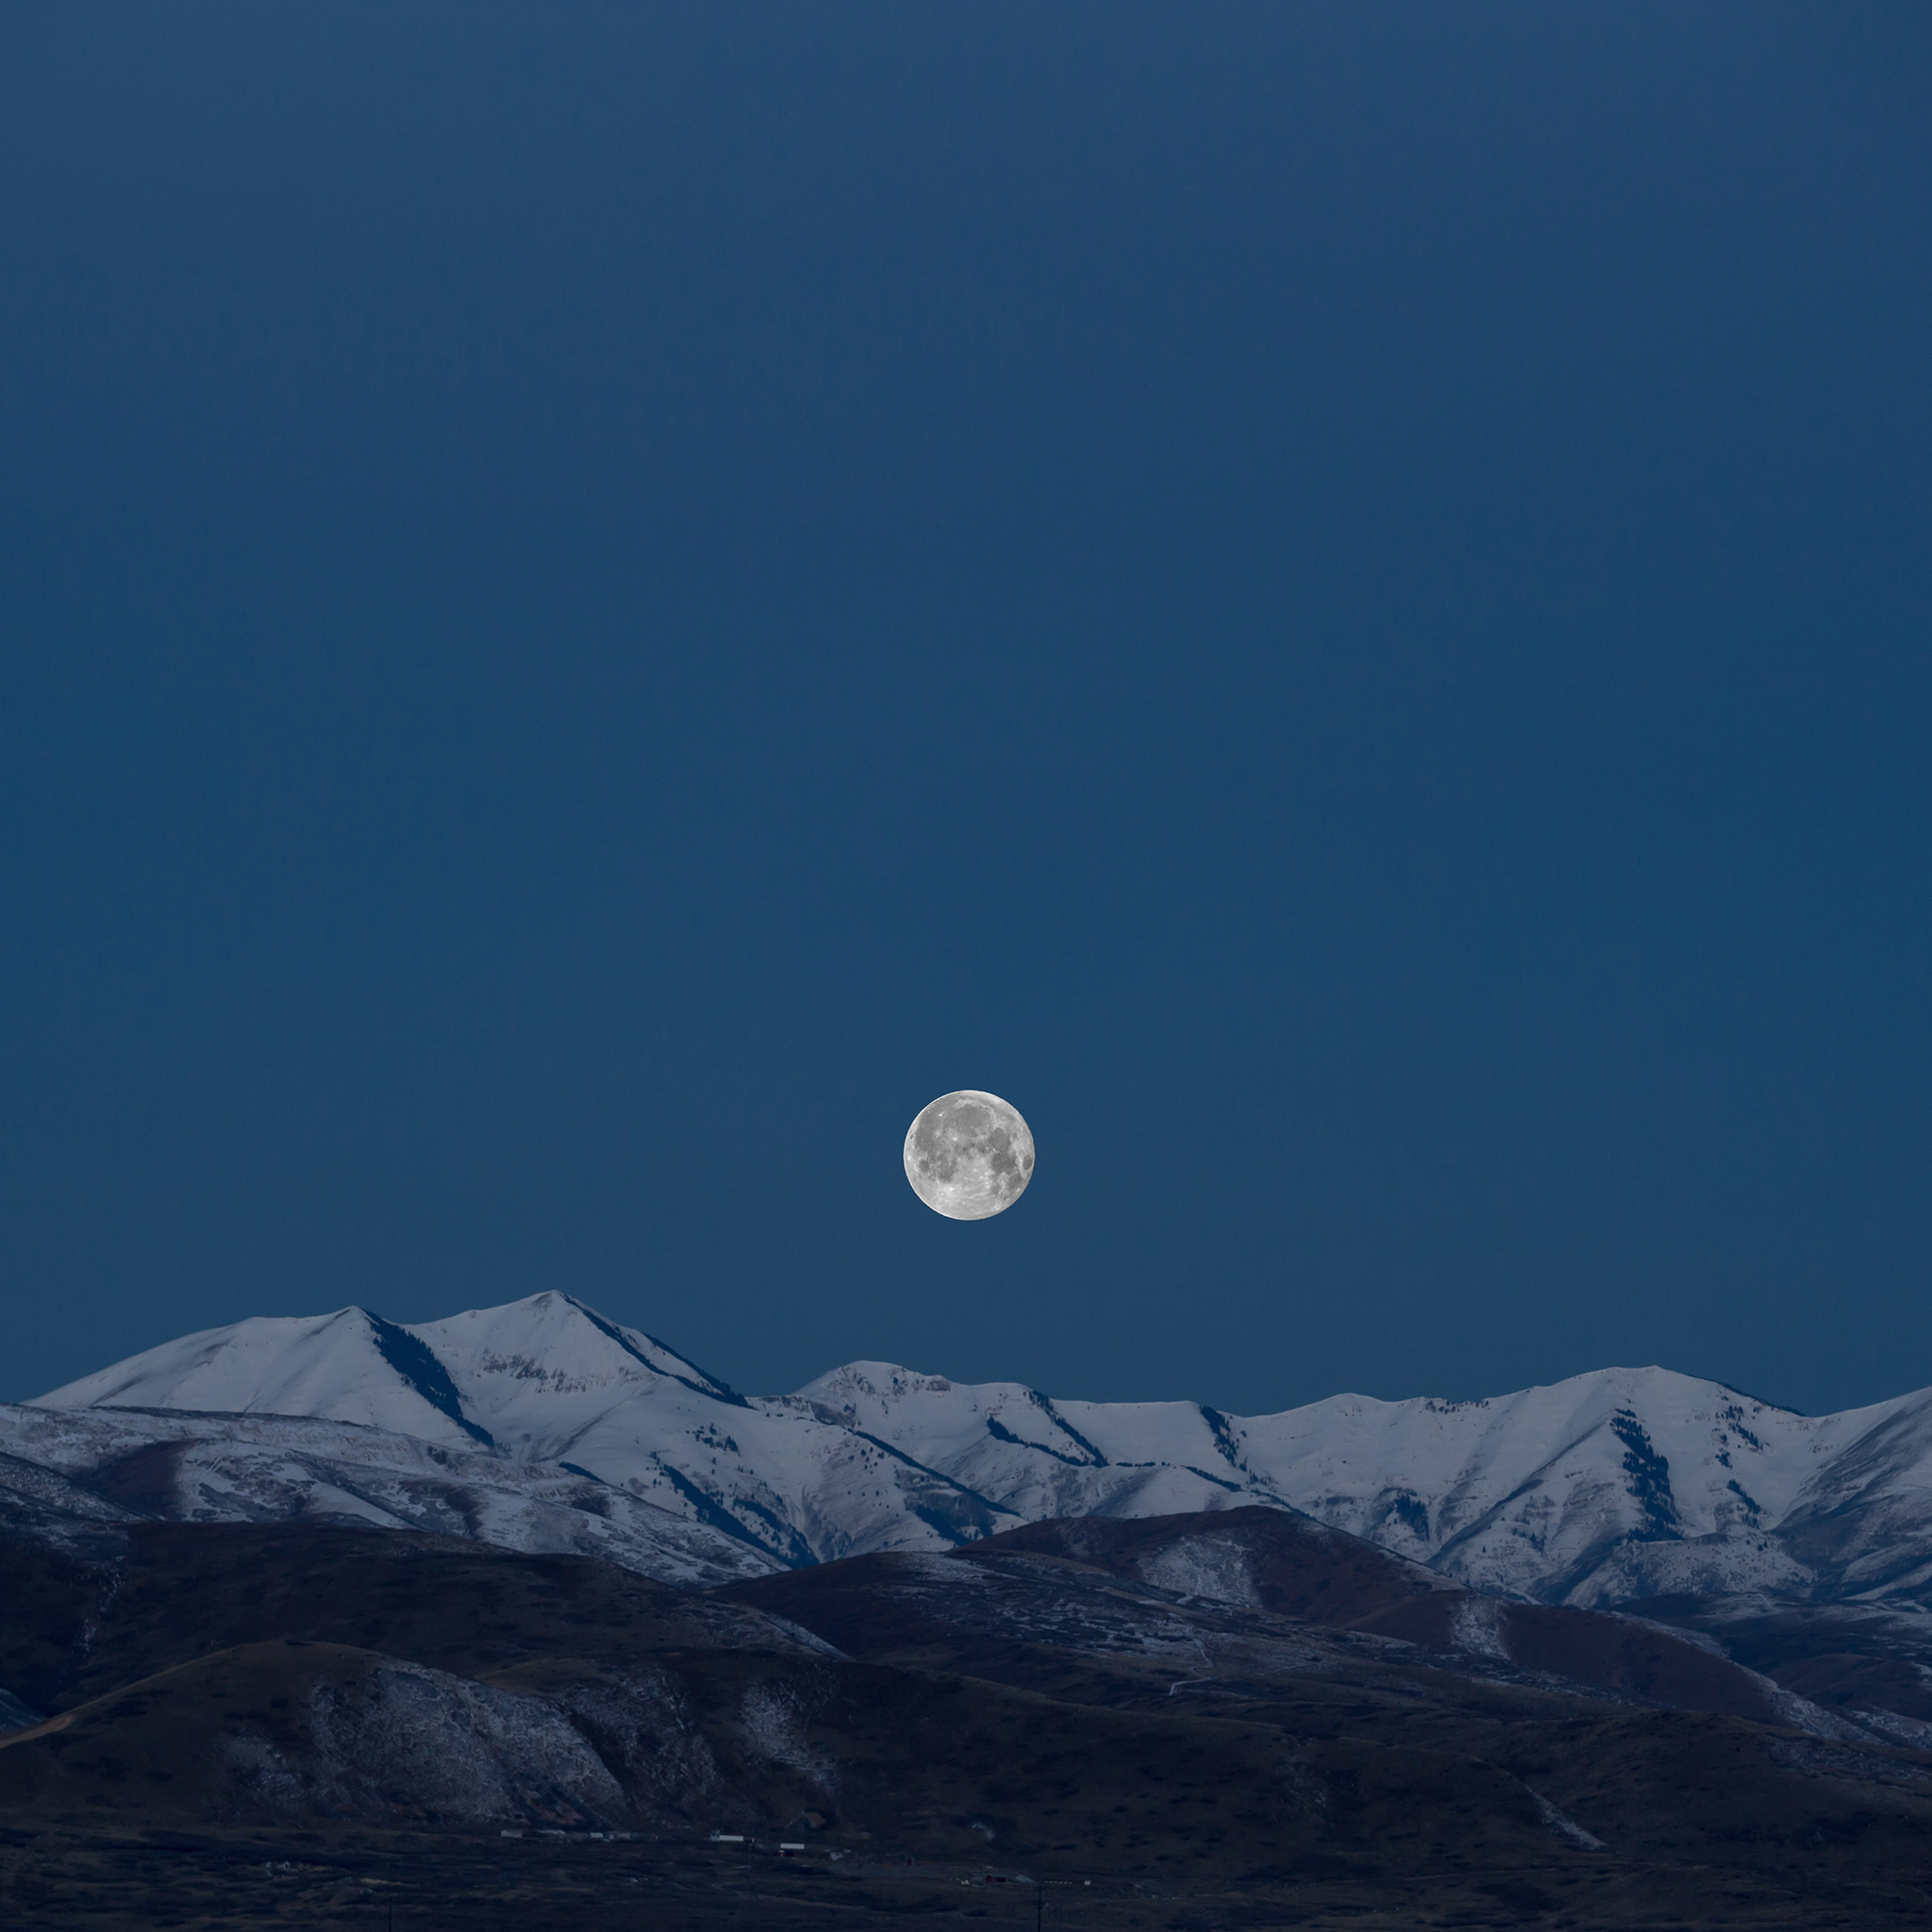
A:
(183, 1590)
(1038, 1701)
(1270, 1559)
(1723, 1782)
(1279, 1561)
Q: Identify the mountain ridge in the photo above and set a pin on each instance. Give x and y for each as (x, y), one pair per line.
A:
(1617, 1484)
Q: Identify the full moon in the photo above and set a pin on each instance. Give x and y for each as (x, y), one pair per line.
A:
(968, 1156)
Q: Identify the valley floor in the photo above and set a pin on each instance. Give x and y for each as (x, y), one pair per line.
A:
(74, 1877)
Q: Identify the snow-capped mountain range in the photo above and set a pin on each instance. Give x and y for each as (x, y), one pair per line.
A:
(545, 1426)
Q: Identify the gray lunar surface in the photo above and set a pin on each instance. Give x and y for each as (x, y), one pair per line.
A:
(969, 1154)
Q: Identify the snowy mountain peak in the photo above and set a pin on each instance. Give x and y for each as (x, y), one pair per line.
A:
(871, 1382)
(553, 1345)
(349, 1366)
(890, 1402)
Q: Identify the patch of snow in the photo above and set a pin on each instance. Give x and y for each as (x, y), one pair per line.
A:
(1564, 1827)
(1221, 1568)
(1476, 1628)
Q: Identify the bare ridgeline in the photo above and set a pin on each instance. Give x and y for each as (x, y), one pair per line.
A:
(521, 1621)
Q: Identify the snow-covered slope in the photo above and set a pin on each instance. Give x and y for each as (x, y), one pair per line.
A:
(1566, 1493)
(1623, 1484)
(348, 1367)
(1611, 1487)
(73, 1475)
(550, 1382)
(1862, 1523)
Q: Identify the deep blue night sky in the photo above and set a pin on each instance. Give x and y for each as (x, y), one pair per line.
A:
(599, 602)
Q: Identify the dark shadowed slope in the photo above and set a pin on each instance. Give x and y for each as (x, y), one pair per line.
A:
(1740, 1777)
(1280, 1561)
(70, 1629)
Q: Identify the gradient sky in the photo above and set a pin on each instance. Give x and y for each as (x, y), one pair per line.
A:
(1332, 598)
